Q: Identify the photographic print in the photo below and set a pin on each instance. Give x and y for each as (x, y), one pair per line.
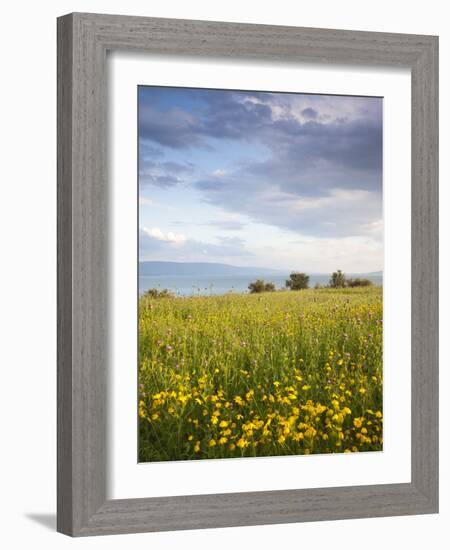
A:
(260, 274)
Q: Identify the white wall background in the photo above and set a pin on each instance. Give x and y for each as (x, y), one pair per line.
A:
(28, 270)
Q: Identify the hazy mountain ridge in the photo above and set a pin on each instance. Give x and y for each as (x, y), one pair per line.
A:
(154, 268)
(199, 269)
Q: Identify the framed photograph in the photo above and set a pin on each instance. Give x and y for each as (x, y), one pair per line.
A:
(247, 274)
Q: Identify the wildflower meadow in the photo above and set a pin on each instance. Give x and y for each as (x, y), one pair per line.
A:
(276, 373)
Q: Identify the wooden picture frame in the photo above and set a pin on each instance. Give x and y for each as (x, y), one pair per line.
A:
(83, 41)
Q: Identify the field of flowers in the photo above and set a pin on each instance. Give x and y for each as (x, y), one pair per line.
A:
(280, 373)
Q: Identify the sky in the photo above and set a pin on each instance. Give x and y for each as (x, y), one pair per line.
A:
(276, 180)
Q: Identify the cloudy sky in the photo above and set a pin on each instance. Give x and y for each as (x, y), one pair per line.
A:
(288, 181)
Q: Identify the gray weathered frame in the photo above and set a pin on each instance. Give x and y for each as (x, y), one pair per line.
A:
(83, 40)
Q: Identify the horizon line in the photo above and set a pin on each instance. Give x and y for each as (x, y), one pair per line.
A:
(261, 267)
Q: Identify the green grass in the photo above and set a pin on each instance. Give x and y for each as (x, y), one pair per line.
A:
(260, 375)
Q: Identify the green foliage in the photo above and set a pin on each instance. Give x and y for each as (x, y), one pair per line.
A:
(155, 293)
(269, 287)
(357, 282)
(297, 281)
(259, 286)
(337, 279)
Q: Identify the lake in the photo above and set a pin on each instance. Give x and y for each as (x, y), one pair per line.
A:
(209, 285)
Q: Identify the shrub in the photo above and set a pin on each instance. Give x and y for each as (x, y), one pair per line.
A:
(297, 281)
(358, 282)
(256, 286)
(155, 293)
(337, 280)
(260, 286)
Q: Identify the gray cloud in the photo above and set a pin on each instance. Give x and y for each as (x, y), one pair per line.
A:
(310, 113)
(222, 114)
(190, 249)
(336, 213)
(163, 174)
(227, 225)
(321, 176)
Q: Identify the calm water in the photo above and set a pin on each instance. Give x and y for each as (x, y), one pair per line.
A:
(188, 286)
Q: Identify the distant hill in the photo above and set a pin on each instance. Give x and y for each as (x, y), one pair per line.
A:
(200, 269)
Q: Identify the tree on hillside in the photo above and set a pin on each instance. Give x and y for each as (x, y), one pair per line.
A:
(260, 286)
(337, 279)
(297, 281)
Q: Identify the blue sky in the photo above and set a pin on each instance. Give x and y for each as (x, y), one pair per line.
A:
(288, 181)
